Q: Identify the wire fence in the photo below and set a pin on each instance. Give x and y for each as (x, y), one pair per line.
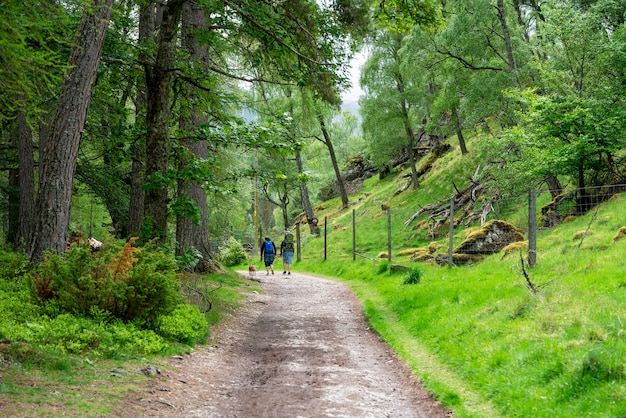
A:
(476, 227)
(461, 229)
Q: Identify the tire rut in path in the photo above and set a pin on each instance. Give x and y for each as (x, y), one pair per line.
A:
(301, 348)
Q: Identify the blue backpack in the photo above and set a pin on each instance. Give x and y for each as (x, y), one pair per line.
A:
(268, 248)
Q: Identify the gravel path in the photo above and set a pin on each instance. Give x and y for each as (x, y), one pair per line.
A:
(301, 348)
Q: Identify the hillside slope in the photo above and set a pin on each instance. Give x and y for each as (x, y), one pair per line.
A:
(478, 337)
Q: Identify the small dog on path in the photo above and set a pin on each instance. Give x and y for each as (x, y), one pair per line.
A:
(252, 271)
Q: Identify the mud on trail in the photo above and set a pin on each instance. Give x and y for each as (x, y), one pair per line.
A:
(299, 348)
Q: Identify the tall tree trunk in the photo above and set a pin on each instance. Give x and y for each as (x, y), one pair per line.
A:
(410, 134)
(147, 17)
(333, 158)
(406, 120)
(58, 157)
(12, 201)
(507, 41)
(188, 232)
(459, 130)
(159, 77)
(304, 196)
(283, 208)
(21, 194)
(410, 141)
(26, 174)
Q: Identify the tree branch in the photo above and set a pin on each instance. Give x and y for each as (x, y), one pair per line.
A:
(271, 34)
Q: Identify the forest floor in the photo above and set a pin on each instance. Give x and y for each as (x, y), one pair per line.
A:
(300, 347)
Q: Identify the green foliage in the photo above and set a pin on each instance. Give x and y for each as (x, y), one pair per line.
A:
(414, 276)
(189, 259)
(233, 253)
(382, 267)
(84, 282)
(401, 16)
(13, 265)
(31, 38)
(561, 136)
(185, 324)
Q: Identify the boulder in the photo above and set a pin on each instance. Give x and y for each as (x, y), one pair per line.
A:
(491, 238)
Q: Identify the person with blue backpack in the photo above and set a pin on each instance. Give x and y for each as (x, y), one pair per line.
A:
(286, 251)
(268, 252)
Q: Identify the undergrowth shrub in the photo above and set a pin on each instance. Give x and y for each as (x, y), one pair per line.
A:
(382, 267)
(185, 324)
(119, 339)
(413, 276)
(189, 259)
(13, 265)
(233, 253)
(129, 284)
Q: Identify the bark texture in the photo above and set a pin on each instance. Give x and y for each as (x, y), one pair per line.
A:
(188, 232)
(147, 18)
(59, 155)
(333, 158)
(159, 76)
(26, 174)
(306, 201)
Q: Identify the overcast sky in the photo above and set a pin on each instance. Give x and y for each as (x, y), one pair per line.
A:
(352, 96)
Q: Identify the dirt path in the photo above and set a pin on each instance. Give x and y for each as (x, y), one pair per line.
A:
(299, 349)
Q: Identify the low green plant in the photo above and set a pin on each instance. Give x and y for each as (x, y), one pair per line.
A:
(233, 253)
(413, 276)
(382, 267)
(185, 324)
(13, 265)
(189, 259)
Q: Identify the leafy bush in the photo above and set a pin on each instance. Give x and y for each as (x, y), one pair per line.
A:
(414, 276)
(119, 338)
(68, 334)
(185, 324)
(13, 265)
(233, 253)
(189, 259)
(134, 286)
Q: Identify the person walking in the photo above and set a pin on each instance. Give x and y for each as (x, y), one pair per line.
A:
(286, 251)
(268, 252)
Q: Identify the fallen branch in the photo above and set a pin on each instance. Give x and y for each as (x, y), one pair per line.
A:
(529, 282)
(587, 230)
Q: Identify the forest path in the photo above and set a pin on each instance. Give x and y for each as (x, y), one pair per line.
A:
(299, 348)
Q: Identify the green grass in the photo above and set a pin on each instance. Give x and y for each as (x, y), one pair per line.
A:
(48, 368)
(476, 336)
(479, 339)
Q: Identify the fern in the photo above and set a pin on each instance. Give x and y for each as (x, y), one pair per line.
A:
(125, 261)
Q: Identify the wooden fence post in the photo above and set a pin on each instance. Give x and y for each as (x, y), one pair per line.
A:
(451, 237)
(325, 237)
(353, 235)
(389, 234)
(532, 227)
(299, 256)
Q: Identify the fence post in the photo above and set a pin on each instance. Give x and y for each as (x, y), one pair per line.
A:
(260, 242)
(532, 227)
(451, 237)
(325, 235)
(299, 256)
(389, 234)
(353, 235)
